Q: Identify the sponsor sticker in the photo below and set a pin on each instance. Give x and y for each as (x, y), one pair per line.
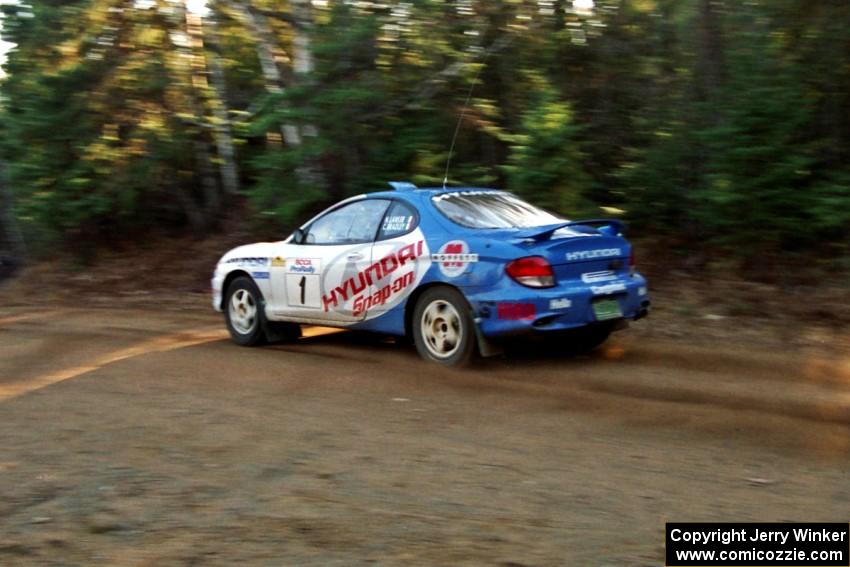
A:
(592, 254)
(608, 288)
(303, 265)
(453, 258)
(516, 311)
(444, 196)
(260, 275)
(381, 285)
(594, 277)
(562, 303)
(278, 262)
(397, 224)
(642, 290)
(249, 261)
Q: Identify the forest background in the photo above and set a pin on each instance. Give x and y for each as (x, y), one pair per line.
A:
(719, 129)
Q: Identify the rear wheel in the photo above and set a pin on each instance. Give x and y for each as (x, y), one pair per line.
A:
(244, 312)
(442, 327)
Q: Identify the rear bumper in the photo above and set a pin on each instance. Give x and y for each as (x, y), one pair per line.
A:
(512, 309)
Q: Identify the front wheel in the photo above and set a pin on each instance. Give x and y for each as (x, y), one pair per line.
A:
(244, 312)
(442, 327)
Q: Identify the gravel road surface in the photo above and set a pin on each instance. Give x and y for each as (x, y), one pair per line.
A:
(145, 437)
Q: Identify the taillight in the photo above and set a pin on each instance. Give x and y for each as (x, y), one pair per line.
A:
(531, 271)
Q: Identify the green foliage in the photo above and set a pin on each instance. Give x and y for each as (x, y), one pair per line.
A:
(96, 133)
(714, 125)
(737, 166)
(544, 162)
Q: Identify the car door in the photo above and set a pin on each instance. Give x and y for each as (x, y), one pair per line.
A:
(401, 258)
(319, 279)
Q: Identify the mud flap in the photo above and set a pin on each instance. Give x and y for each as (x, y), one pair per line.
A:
(281, 332)
(486, 348)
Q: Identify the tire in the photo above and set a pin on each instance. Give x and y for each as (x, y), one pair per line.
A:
(443, 330)
(244, 312)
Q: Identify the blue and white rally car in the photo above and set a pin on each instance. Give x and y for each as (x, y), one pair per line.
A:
(456, 270)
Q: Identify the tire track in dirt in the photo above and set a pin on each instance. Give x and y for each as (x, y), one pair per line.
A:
(17, 318)
(813, 387)
(163, 343)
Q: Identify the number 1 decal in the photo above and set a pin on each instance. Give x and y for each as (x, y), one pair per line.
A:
(303, 290)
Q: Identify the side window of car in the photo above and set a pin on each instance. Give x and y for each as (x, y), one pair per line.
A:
(400, 219)
(351, 224)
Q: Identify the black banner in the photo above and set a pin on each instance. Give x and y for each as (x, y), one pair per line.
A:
(758, 544)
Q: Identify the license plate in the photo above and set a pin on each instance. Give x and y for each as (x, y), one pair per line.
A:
(607, 309)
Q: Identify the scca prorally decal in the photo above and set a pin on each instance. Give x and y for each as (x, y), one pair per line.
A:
(303, 265)
(562, 303)
(591, 254)
(356, 287)
(453, 258)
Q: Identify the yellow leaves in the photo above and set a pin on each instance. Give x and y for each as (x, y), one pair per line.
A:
(70, 52)
(646, 6)
(613, 211)
(150, 36)
(110, 133)
(69, 48)
(274, 138)
(550, 117)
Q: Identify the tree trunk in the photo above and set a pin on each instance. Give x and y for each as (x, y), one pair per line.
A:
(197, 85)
(212, 201)
(303, 54)
(191, 209)
(217, 100)
(269, 55)
(710, 58)
(10, 232)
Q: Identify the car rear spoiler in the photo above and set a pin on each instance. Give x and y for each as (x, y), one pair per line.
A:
(610, 227)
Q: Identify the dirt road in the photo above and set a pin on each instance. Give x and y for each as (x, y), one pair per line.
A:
(137, 437)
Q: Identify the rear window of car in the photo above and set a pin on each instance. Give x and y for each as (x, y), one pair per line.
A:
(399, 220)
(490, 209)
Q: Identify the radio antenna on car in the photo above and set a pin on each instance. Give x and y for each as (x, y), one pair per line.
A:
(459, 122)
(497, 46)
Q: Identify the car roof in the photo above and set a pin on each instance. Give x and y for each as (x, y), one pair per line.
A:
(430, 191)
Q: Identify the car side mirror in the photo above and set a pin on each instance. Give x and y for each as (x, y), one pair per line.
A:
(298, 236)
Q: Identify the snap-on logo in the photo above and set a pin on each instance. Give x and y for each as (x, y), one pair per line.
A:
(365, 287)
(591, 254)
(453, 258)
